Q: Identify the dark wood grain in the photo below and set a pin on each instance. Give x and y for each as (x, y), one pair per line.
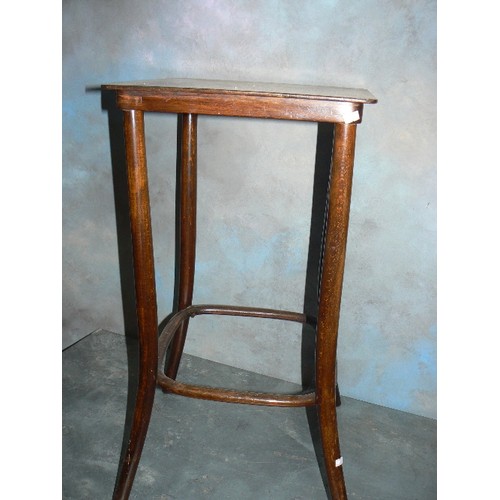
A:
(244, 106)
(142, 242)
(330, 298)
(177, 321)
(237, 89)
(186, 232)
(278, 101)
(189, 98)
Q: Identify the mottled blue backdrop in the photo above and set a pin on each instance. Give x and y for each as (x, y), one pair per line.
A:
(255, 185)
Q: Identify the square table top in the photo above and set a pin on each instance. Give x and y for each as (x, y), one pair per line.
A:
(264, 89)
(247, 99)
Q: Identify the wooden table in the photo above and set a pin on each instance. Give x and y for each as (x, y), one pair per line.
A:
(160, 356)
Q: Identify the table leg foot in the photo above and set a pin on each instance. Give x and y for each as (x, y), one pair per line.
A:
(331, 450)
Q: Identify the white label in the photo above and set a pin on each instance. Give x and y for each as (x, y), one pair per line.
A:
(340, 460)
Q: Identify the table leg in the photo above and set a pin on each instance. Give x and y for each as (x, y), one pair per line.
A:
(186, 235)
(142, 242)
(329, 304)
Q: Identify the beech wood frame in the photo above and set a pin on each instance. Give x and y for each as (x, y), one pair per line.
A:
(154, 367)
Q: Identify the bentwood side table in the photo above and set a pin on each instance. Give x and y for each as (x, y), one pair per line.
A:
(189, 98)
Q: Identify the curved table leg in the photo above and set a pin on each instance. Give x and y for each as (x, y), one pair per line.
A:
(329, 304)
(186, 220)
(142, 243)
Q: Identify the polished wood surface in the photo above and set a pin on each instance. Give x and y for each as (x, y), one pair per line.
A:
(238, 88)
(168, 384)
(186, 231)
(159, 365)
(266, 100)
(142, 242)
(339, 199)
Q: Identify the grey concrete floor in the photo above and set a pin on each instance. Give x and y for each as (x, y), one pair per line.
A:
(207, 450)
